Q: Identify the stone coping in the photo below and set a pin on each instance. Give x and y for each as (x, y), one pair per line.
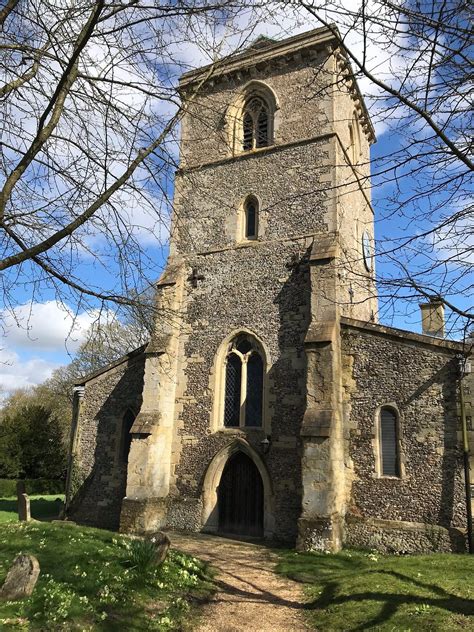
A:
(252, 55)
(402, 335)
(112, 365)
(291, 46)
(384, 330)
(382, 523)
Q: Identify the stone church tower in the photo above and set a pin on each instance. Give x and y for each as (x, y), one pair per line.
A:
(240, 416)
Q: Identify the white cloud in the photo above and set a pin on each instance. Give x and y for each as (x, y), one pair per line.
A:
(278, 21)
(49, 326)
(38, 338)
(16, 373)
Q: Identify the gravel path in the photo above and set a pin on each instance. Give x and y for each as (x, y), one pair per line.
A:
(251, 597)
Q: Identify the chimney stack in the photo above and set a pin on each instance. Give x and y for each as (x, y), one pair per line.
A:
(432, 318)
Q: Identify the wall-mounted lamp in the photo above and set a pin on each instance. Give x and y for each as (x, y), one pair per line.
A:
(266, 443)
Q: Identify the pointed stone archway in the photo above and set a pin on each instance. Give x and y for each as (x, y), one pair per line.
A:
(240, 497)
(229, 456)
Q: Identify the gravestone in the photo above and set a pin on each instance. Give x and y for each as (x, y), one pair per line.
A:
(21, 578)
(24, 511)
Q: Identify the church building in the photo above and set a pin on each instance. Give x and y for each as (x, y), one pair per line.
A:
(270, 403)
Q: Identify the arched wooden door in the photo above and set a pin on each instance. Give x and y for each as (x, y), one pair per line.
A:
(240, 497)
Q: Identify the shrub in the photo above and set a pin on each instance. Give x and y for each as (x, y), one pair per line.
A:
(32, 485)
(31, 444)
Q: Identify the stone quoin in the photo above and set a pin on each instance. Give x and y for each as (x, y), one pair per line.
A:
(270, 402)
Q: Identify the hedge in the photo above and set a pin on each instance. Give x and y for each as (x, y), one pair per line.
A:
(33, 486)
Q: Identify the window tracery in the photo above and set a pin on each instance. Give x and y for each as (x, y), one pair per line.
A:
(243, 392)
(255, 124)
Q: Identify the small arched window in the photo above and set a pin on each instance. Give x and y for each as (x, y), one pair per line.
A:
(251, 218)
(126, 439)
(389, 442)
(244, 374)
(256, 124)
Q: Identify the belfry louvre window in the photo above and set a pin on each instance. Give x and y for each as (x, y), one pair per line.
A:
(255, 124)
(244, 374)
(389, 448)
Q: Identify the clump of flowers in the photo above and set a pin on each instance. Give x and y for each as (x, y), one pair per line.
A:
(57, 600)
(143, 555)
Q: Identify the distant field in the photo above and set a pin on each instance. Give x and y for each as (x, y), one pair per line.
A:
(42, 507)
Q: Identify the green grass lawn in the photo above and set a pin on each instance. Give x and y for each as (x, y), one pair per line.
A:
(355, 590)
(42, 507)
(89, 583)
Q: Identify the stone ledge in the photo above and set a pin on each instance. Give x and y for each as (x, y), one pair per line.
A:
(255, 153)
(325, 249)
(131, 355)
(144, 423)
(401, 334)
(399, 536)
(317, 423)
(324, 333)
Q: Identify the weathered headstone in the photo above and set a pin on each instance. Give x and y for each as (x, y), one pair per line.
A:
(20, 488)
(21, 578)
(162, 544)
(24, 511)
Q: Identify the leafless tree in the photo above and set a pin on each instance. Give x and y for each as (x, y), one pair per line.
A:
(414, 62)
(89, 138)
(89, 119)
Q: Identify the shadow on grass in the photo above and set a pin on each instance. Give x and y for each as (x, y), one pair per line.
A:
(41, 508)
(346, 581)
(391, 603)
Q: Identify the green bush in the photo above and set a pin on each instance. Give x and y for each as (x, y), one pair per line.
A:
(31, 444)
(33, 486)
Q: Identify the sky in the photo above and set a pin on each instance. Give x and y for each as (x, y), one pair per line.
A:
(45, 334)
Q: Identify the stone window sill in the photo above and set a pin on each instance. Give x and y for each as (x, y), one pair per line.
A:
(240, 430)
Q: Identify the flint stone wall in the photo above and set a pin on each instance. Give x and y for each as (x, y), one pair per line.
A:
(403, 537)
(259, 290)
(303, 96)
(99, 470)
(288, 182)
(420, 381)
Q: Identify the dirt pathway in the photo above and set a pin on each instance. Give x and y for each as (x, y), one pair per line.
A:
(251, 597)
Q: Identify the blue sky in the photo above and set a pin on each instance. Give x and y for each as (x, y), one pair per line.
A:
(46, 334)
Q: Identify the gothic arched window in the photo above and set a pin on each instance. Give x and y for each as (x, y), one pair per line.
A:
(389, 442)
(244, 374)
(251, 218)
(256, 124)
(126, 440)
